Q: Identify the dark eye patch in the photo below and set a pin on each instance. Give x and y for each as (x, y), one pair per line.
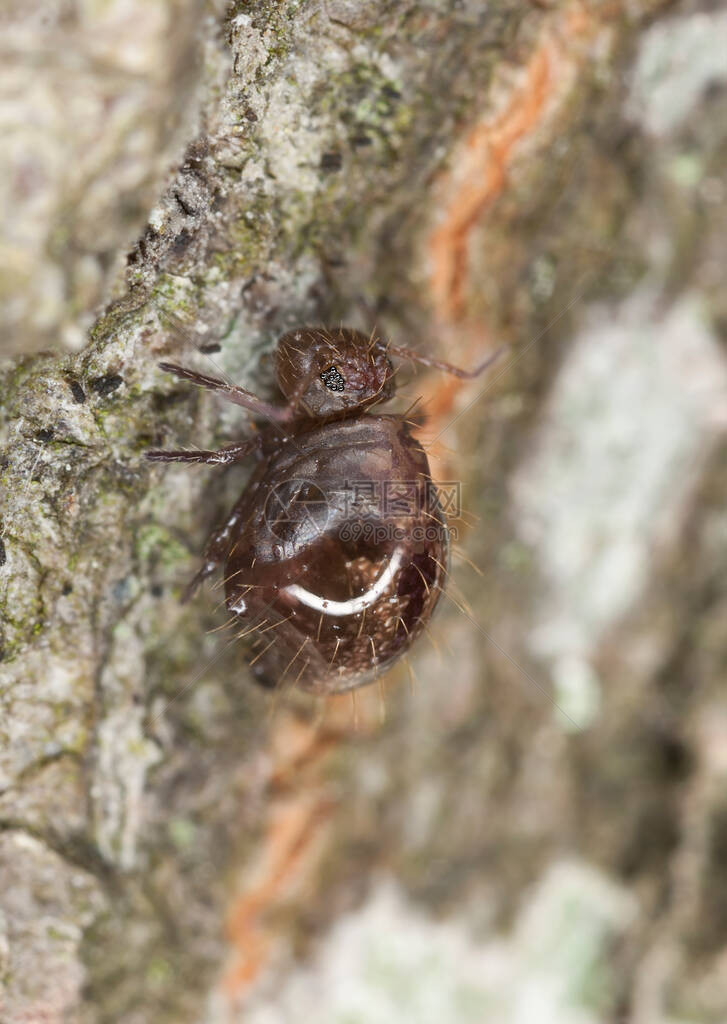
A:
(333, 379)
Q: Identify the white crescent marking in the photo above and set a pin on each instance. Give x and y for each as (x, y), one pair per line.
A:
(355, 604)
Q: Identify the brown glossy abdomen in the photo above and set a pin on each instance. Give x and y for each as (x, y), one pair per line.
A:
(341, 555)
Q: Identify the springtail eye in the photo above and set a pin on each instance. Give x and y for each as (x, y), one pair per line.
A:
(333, 380)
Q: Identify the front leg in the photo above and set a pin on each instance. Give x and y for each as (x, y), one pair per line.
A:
(232, 393)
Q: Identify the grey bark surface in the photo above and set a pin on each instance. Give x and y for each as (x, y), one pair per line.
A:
(548, 799)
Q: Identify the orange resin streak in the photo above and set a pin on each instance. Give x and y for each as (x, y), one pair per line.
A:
(299, 826)
(478, 175)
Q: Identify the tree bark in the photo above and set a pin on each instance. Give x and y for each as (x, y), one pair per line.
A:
(545, 805)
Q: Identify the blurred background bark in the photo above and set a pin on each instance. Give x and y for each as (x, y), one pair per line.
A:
(534, 828)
